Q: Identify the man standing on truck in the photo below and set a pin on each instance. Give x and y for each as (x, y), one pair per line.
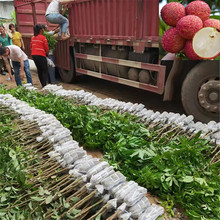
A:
(19, 61)
(54, 15)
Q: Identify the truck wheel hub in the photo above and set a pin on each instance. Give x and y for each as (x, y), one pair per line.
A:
(209, 96)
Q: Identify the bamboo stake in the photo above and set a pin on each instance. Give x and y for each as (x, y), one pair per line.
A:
(101, 211)
(81, 202)
(89, 208)
(114, 215)
(82, 189)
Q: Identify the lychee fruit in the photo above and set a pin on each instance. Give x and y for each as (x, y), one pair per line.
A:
(190, 53)
(198, 8)
(188, 26)
(206, 43)
(172, 12)
(172, 42)
(212, 23)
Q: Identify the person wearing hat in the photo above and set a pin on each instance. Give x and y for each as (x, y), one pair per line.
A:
(19, 61)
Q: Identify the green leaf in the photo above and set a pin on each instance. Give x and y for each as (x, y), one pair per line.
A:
(66, 205)
(30, 205)
(187, 179)
(175, 181)
(75, 211)
(14, 189)
(3, 212)
(98, 217)
(41, 191)
(140, 153)
(201, 181)
(3, 198)
(74, 199)
(70, 216)
(168, 179)
(51, 40)
(38, 199)
(12, 154)
(53, 177)
(177, 158)
(47, 192)
(49, 199)
(8, 188)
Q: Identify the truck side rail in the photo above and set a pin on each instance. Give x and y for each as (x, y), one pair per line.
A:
(158, 88)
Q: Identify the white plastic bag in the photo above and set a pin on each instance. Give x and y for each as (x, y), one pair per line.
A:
(50, 63)
(139, 207)
(152, 213)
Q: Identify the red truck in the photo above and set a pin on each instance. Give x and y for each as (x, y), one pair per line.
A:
(118, 40)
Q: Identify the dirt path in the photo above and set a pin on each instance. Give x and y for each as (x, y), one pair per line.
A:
(105, 89)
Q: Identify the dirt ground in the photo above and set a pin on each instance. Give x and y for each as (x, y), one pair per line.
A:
(105, 89)
(36, 83)
(101, 90)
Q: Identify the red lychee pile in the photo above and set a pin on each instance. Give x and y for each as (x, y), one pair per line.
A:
(185, 23)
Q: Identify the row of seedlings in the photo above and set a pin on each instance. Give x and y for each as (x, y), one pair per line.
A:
(94, 182)
(31, 182)
(164, 123)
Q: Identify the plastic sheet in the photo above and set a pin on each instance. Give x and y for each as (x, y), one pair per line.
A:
(152, 213)
(97, 178)
(139, 207)
(113, 180)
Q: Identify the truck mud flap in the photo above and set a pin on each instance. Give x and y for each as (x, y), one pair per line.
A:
(62, 55)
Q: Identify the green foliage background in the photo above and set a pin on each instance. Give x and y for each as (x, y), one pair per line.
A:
(51, 40)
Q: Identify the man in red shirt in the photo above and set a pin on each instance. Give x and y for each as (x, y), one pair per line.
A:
(39, 51)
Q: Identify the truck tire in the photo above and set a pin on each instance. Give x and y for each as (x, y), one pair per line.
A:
(68, 76)
(201, 92)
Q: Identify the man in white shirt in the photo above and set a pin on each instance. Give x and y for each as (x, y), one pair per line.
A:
(19, 61)
(54, 16)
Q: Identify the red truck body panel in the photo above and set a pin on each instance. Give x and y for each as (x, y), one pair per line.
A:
(133, 23)
(29, 13)
(114, 19)
(125, 20)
